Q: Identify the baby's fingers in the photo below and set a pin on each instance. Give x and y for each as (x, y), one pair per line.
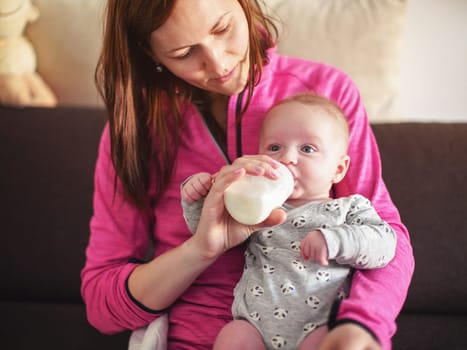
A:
(197, 187)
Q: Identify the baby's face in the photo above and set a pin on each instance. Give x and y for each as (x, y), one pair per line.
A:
(309, 142)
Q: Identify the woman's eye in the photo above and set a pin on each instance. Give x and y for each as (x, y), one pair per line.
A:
(308, 149)
(223, 29)
(186, 54)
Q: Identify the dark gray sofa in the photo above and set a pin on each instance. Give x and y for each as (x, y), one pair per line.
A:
(46, 179)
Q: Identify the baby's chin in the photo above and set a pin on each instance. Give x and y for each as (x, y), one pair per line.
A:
(296, 200)
(299, 198)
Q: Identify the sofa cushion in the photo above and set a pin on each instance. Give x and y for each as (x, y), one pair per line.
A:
(428, 331)
(425, 171)
(47, 159)
(53, 326)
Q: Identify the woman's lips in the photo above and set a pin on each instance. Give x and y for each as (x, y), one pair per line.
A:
(225, 78)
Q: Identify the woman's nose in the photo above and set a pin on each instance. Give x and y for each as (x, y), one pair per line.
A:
(214, 60)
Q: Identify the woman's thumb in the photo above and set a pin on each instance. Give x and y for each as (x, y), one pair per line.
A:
(276, 217)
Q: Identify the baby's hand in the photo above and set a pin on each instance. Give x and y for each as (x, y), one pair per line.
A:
(196, 187)
(314, 247)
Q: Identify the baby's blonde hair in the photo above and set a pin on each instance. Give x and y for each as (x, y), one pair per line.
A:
(312, 99)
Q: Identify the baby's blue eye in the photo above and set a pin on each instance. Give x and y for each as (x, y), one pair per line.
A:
(274, 148)
(308, 149)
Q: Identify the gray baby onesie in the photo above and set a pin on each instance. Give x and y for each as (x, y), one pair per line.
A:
(283, 296)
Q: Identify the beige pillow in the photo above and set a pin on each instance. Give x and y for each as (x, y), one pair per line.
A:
(361, 37)
(67, 38)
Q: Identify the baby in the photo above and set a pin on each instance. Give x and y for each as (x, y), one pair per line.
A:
(294, 272)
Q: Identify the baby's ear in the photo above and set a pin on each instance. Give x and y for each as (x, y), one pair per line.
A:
(341, 169)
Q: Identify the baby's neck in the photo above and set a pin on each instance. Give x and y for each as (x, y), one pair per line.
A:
(297, 202)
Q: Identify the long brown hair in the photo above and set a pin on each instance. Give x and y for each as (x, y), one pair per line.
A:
(138, 98)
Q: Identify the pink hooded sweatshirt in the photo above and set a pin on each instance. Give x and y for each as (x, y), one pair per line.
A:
(120, 234)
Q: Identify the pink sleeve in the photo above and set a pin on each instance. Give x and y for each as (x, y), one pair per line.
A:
(376, 296)
(119, 235)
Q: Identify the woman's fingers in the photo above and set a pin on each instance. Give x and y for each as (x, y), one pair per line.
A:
(220, 183)
(217, 231)
(258, 165)
(277, 216)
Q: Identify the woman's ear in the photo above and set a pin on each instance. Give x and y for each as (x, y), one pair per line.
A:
(146, 48)
(341, 169)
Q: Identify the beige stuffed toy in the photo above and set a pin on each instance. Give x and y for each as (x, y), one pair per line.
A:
(20, 84)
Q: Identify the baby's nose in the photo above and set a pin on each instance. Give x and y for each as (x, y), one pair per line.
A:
(289, 157)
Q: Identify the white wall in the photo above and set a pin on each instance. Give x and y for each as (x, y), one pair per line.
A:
(434, 61)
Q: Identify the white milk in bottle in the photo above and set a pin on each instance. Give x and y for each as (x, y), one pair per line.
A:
(251, 199)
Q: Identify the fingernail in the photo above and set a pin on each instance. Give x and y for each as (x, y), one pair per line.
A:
(259, 169)
(275, 162)
(275, 173)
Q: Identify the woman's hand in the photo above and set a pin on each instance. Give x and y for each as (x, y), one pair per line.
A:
(217, 231)
(349, 337)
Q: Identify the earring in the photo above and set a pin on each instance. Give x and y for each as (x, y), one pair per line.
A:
(158, 68)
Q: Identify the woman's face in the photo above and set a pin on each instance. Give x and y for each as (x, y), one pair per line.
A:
(205, 43)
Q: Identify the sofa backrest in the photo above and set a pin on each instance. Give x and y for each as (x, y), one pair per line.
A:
(47, 159)
(425, 167)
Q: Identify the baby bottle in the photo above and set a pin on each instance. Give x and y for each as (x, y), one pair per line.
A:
(251, 199)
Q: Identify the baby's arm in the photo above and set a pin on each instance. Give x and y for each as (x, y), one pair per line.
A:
(364, 241)
(314, 247)
(193, 191)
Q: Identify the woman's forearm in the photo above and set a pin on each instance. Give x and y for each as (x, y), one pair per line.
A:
(158, 283)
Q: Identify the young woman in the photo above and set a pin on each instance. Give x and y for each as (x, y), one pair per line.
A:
(186, 85)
